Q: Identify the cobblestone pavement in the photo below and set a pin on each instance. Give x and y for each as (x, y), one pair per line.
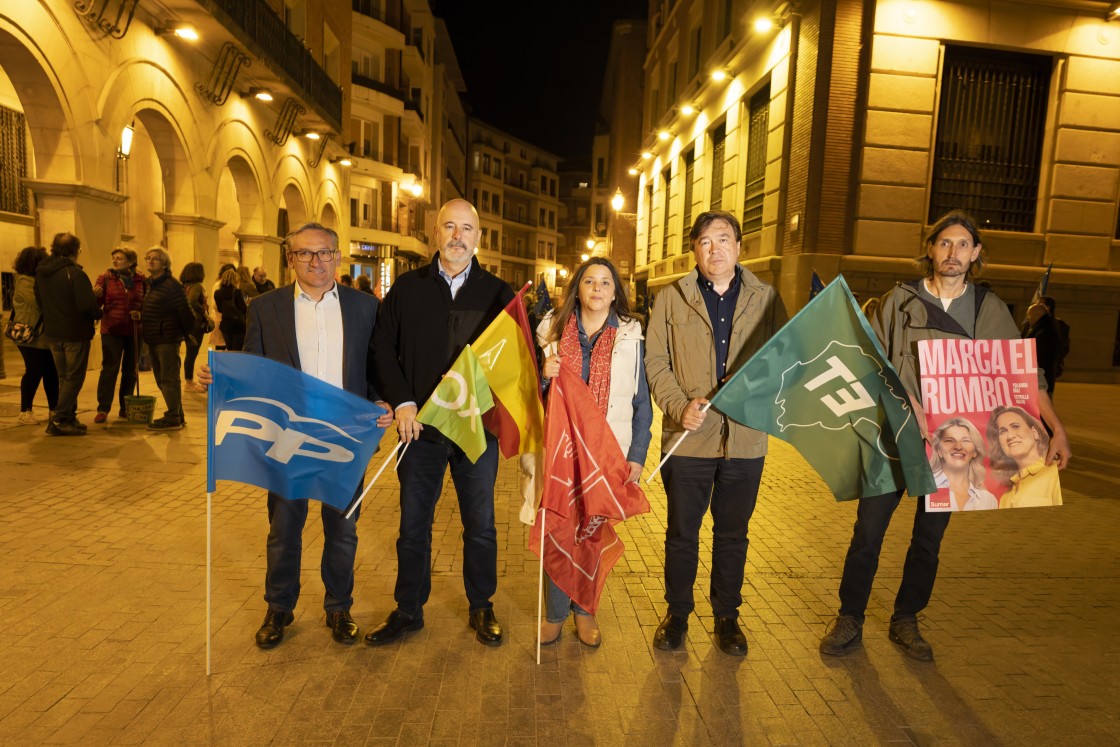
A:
(103, 603)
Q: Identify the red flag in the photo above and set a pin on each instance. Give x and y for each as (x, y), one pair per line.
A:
(585, 493)
(507, 354)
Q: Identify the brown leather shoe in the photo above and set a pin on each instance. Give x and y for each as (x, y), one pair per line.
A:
(551, 632)
(587, 630)
(271, 631)
(343, 628)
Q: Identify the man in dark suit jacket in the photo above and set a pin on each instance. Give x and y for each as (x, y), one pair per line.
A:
(325, 330)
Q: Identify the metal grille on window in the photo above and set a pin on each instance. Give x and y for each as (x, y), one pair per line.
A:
(667, 191)
(719, 135)
(13, 162)
(689, 174)
(990, 129)
(757, 129)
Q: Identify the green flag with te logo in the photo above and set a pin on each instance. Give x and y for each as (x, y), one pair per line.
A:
(457, 404)
(823, 384)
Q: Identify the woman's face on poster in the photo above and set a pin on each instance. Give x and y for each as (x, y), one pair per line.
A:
(1018, 439)
(956, 448)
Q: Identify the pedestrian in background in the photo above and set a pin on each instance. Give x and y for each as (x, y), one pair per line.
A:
(216, 338)
(230, 302)
(246, 284)
(364, 284)
(167, 320)
(192, 277)
(70, 309)
(261, 281)
(120, 291)
(38, 363)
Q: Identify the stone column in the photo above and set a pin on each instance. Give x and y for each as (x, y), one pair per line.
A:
(262, 250)
(192, 238)
(91, 214)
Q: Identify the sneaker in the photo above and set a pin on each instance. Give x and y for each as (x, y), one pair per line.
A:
(27, 417)
(842, 637)
(100, 417)
(163, 424)
(905, 633)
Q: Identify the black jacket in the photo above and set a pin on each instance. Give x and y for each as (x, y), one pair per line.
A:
(166, 317)
(421, 330)
(66, 297)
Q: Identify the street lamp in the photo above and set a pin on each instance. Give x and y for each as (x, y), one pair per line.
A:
(618, 201)
(585, 256)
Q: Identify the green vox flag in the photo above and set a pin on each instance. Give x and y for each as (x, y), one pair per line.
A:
(823, 384)
(457, 404)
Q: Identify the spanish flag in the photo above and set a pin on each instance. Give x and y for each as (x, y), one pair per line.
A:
(505, 351)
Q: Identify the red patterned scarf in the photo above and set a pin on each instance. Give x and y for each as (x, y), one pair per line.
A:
(571, 356)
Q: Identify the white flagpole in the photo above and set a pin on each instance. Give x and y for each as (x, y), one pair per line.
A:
(675, 445)
(361, 497)
(209, 502)
(540, 590)
(400, 458)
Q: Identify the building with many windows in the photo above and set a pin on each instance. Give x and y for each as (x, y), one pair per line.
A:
(515, 187)
(839, 130)
(393, 102)
(209, 127)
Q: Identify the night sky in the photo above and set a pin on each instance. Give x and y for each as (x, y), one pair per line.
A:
(535, 69)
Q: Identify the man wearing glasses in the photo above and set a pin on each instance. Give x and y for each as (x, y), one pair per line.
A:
(325, 330)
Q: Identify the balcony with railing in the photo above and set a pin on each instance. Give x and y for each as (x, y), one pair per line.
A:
(262, 29)
(376, 85)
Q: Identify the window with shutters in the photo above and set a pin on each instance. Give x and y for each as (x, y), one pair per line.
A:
(990, 127)
(689, 174)
(719, 136)
(758, 125)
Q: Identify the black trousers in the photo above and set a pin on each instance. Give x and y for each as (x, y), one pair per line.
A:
(730, 487)
(920, 570)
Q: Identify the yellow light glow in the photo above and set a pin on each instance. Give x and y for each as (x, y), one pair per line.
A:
(763, 25)
(719, 76)
(563, 272)
(688, 110)
(632, 172)
(646, 155)
(344, 162)
(590, 245)
(311, 135)
(186, 32)
(416, 189)
(263, 95)
(585, 256)
(663, 135)
(618, 201)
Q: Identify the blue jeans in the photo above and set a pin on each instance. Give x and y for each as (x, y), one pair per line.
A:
(730, 487)
(165, 367)
(70, 360)
(285, 549)
(421, 477)
(559, 604)
(919, 571)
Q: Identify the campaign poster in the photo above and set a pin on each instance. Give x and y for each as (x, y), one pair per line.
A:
(987, 444)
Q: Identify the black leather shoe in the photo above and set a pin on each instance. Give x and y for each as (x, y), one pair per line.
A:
(394, 628)
(729, 637)
(486, 627)
(670, 633)
(272, 630)
(343, 628)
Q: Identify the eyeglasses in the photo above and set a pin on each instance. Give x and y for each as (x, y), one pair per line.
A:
(324, 255)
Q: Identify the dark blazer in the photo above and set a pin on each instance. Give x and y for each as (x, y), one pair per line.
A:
(271, 332)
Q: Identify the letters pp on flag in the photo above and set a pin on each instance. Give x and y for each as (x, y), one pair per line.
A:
(275, 427)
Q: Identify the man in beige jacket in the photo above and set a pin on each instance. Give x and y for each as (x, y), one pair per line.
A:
(703, 327)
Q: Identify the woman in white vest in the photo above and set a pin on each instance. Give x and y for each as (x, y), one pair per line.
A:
(595, 334)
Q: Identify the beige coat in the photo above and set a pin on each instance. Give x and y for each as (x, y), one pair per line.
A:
(681, 361)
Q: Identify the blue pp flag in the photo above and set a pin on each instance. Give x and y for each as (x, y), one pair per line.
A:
(275, 427)
(544, 303)
(1040, 291)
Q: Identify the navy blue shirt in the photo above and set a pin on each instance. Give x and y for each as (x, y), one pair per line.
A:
(721, 310)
